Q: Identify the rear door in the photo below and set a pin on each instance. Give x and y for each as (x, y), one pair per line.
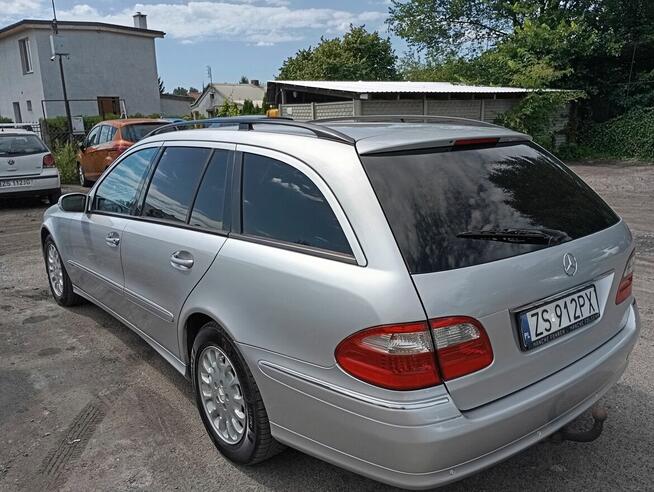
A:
(490, 232)
(104, 153)
(89, 157)
(166, 253)
(21, 154)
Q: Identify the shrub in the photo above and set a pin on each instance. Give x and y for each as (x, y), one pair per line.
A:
(65, 158)
(629, 136)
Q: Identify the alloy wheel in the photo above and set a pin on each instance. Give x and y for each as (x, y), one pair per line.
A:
(55, 271)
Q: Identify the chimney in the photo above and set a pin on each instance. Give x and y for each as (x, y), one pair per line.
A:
(140, 20)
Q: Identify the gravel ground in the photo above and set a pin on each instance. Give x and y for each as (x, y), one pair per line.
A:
(86, 404)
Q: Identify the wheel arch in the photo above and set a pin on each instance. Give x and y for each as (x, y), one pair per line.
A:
(193, 321)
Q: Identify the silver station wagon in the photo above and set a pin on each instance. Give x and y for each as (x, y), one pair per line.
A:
(412, 300)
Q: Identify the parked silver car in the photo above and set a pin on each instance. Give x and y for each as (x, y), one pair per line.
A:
(412, 301)
(27, 168)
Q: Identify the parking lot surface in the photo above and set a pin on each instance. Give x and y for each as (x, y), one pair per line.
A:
(86, 404)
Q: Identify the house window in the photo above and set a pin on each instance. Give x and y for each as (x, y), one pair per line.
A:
(25, 55)
(29, 105)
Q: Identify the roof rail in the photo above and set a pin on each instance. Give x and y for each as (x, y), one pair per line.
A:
(247, 123)
(405, 118)
(17, 126)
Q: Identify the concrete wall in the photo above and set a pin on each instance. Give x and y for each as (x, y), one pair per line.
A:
(100, 64)
(173, 106)
(16, 86)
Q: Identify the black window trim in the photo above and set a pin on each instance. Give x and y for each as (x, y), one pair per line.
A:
(237, 214)
(142, 192)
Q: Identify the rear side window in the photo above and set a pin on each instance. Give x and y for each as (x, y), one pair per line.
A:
(174, 182)
(457, 208)
(14, 145)
(209, 208)
(136, 132)
(281, 203)
(119, 190)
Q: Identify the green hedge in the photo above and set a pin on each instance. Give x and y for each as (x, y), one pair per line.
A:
(629, 136)
(65, 159)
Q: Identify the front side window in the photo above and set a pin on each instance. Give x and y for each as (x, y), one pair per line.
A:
(25, 55)
(92, 137)
(209, 208)
(174, 182)
(119, 191)
(282, 204)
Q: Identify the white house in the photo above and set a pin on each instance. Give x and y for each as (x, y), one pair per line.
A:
(108, 69)
(214, 95)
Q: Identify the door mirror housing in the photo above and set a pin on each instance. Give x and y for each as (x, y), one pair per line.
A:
(73, 202)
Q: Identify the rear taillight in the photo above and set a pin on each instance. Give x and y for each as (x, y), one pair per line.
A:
(48, 160)
(626, 283)
(402, 356)
(121, 146)
(398, 357)
(462, 346)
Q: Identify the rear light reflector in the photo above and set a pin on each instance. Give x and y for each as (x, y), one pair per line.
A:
(462, 346)
(48, 160)
(397, 357)
(626, 283)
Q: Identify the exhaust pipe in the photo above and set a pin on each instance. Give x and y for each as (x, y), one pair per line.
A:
(599, 415)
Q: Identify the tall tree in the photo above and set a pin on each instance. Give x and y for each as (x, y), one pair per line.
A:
(358, 55)
(162, 88)
(180, 91)
(604, 47)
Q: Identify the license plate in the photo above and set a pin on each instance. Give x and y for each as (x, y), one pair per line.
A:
(557, 318)
(11, 183)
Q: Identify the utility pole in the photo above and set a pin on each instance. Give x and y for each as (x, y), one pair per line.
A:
(55, 32)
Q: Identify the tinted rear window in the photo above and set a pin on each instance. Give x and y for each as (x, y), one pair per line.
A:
(435, 200)
(14, 145)
(136, 132)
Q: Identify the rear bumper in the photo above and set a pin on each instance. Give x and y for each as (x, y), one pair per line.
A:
(430, 444)
(43, 184)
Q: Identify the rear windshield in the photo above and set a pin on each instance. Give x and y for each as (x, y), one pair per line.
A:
(14, 145)
(452, 208)
(136, 132)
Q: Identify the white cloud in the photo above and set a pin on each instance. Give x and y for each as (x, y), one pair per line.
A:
(259, 22)
(16, 8)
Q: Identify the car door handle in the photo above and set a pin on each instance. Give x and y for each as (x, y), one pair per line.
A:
(182, 260)
(112, 239)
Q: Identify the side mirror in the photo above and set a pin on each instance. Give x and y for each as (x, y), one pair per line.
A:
(72, 202)
(81, 146)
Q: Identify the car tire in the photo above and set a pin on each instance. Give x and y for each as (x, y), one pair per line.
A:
(54, 197)
(58, 279)
(254, 443)
(82, 178)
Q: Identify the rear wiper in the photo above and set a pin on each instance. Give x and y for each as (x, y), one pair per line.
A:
(547, 237)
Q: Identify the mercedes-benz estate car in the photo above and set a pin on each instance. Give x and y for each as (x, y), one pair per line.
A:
(412, 301)
(27, 168)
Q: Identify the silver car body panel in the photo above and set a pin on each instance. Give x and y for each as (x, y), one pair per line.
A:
(288, 308)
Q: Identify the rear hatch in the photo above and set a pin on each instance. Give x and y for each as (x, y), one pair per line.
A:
(20, 154)
(489, 231)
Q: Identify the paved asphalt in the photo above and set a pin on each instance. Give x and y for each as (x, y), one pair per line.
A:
(85, 404)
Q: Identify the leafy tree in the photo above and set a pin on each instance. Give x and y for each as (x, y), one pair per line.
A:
(228, 108)
(250, 108)
(193, 89)
(162, 88)
(603, 47)
(244, 80)
(180, 91)
(358, 55)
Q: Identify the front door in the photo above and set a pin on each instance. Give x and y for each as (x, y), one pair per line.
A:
(167, 252)
(108, 105)
(96, 243)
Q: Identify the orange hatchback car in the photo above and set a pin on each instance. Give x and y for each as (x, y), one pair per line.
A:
(106, 141)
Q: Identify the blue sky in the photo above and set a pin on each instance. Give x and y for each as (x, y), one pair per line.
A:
(234, 37)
